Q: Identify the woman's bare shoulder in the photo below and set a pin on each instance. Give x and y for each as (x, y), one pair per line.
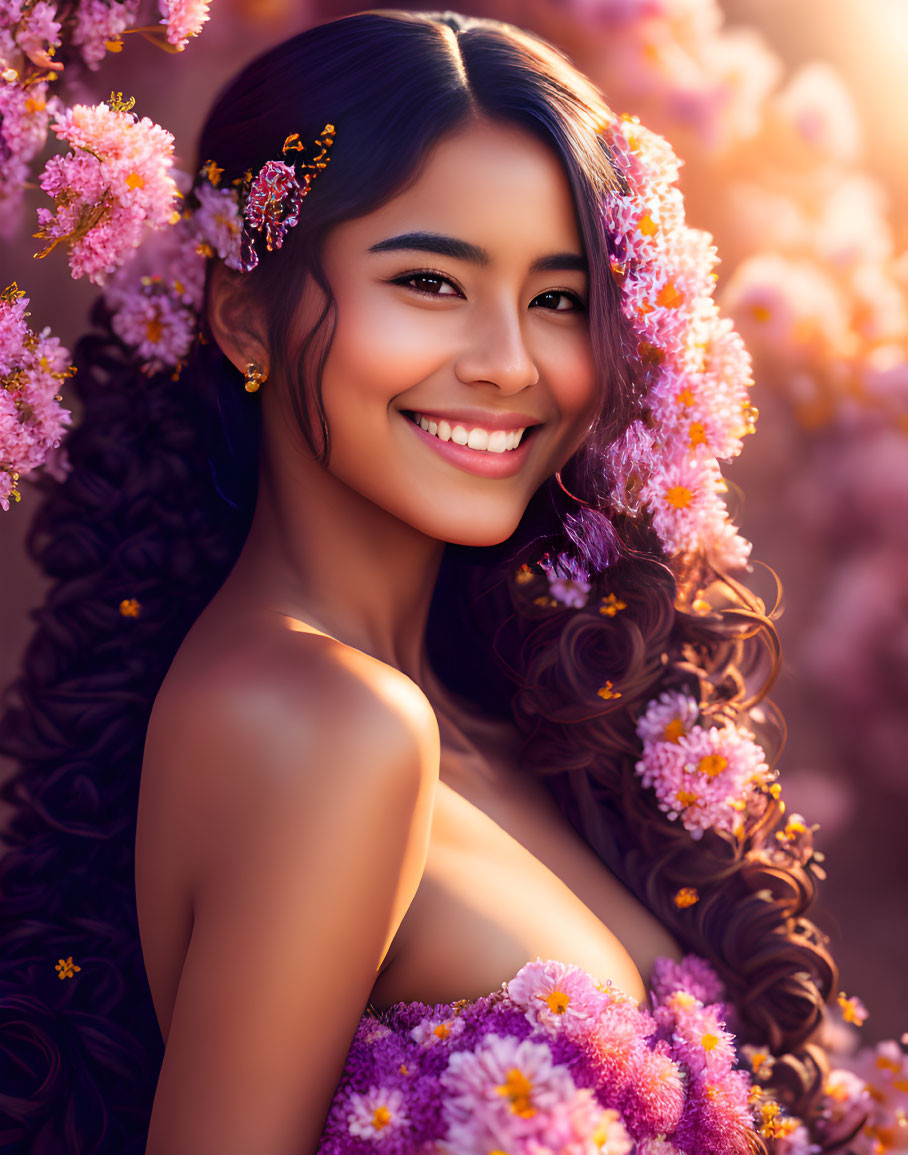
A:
(254, 706)
(306, 772)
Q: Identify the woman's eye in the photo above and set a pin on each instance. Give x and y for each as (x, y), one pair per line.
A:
(428, 283)
(576, 305)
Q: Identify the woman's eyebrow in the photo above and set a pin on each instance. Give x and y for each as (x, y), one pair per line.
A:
(464, 251)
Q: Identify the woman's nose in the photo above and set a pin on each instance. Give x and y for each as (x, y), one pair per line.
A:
(495, 351)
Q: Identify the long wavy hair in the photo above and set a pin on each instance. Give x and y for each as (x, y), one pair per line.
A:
(158, 504)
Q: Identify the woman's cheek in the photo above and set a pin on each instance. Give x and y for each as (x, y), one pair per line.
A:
(384, 348)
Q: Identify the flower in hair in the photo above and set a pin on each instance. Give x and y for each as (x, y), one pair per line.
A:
(692, 366)
(112, 188)
(569, 581)
(274, 202)
(706, 776)
(271, 200)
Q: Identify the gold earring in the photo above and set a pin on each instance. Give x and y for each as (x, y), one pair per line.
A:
(254, 377)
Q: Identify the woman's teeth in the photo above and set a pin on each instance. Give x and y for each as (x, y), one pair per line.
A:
(492, 441)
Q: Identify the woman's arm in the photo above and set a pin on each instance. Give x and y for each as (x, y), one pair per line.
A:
(309, 855)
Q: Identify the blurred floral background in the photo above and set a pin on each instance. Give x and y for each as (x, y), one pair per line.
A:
(791, 123)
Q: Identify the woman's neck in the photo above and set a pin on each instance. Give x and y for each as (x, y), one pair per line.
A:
(320, 552)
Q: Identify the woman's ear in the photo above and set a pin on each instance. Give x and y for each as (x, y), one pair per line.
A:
(235, 321)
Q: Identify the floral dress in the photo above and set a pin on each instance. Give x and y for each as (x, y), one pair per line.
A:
(556, 1062)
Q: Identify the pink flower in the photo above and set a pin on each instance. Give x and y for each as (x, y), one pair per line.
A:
(156, 296)
(693, 974)
(668, 717)
(184, 19)
(581, 1127)
(432, 1031)
(32, 368)
(500, 1094)
(24, 116)
(38, 33)
(554, 994)
(706, 778)
(98, 21)
(218, 221)
(110, 191)
(376, 1113)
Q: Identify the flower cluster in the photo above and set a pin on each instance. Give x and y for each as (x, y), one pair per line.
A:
(183, 19)
(29, 38)
(34, 35)
(32, 421)
(868, 1091)
(110, 190)
(155, 299)
(553, 1061)
(706, 776)
(694, 368)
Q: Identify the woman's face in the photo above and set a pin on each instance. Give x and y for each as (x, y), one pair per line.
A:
(461, 307)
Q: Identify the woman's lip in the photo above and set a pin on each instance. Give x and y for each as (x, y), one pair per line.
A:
(478, 461)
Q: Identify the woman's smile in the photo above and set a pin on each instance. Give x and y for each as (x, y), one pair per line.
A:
(478, 449)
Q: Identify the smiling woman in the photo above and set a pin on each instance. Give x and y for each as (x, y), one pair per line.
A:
(442, 665)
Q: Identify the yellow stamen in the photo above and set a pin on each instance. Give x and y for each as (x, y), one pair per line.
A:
(712, 764)
(686, 896)
(674, 730)
(679, 496)
(557, 1001)
(381, 1117)
(668, 296)
(611, 605)
(518, 1089)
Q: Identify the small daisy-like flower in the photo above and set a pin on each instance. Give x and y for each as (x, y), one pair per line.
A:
(66, 968)
(669, 717)
(853, 1010)
(498, 1096)
(611, 605)
(554, 994)
(686, 896)
(433, 1031)
(376, 1112)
